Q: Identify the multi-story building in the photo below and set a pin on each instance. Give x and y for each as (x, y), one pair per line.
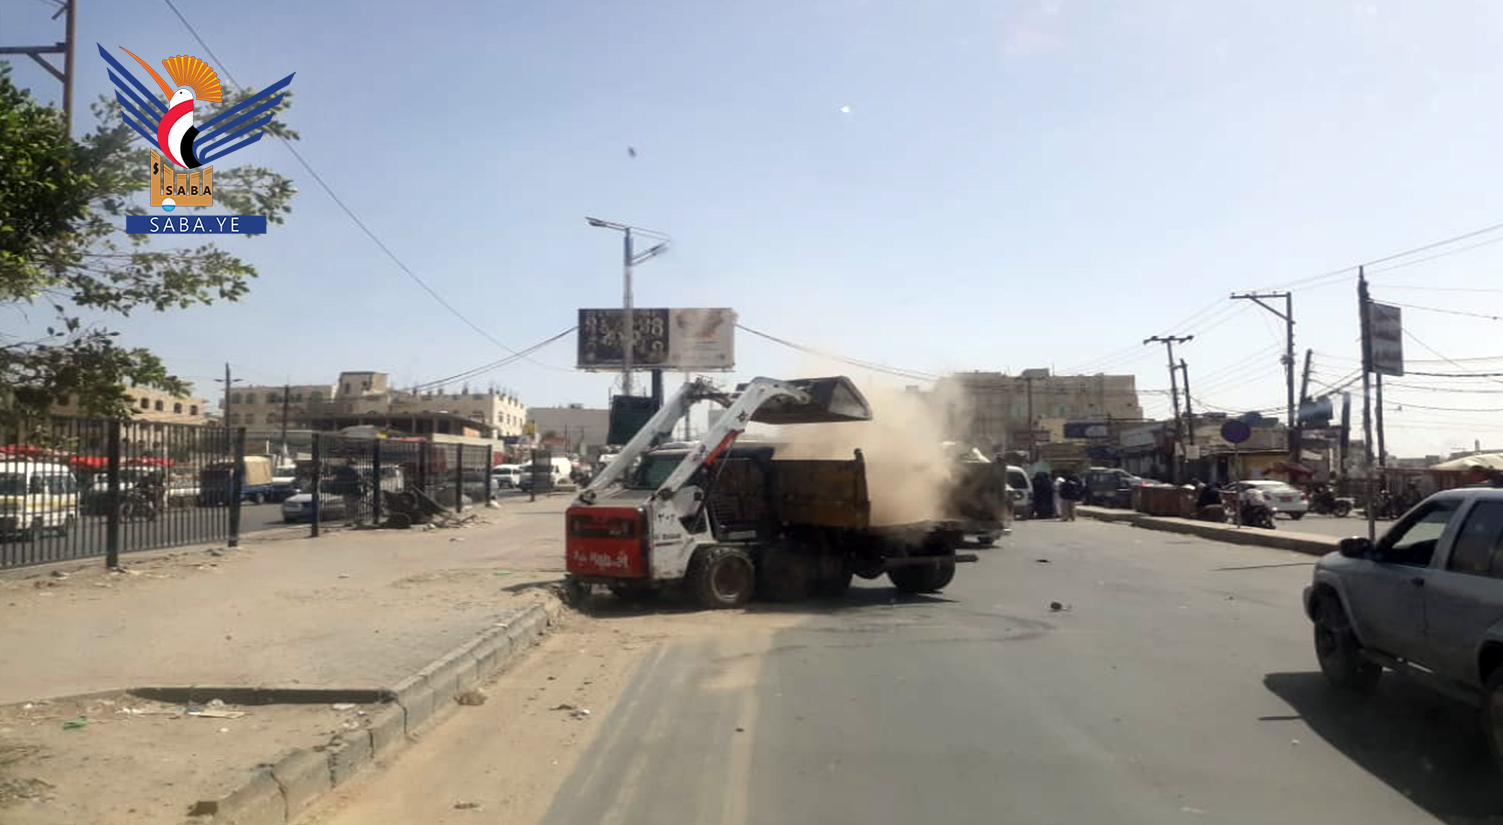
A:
(994, 409)
(575, 427)
(155, 406)
(369, 397)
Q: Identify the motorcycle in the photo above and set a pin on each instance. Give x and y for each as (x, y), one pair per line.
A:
(1325, 502)
(1257, 515)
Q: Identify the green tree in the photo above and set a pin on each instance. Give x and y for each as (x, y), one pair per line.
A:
(64, 252)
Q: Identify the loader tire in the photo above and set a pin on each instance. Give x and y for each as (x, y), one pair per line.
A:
(785, 576)
(721, 577)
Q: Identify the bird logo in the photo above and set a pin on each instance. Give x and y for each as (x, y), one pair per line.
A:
(186, 145)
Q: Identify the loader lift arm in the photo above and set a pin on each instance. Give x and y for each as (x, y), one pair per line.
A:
(766, 400)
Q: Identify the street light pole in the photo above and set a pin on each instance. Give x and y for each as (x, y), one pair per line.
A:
(628, 326)
(629, 259)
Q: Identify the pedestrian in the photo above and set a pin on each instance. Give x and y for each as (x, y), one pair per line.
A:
(1069, 495)
(1043, 496)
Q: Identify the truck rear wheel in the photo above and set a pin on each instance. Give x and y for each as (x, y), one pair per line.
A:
(785, 576)
(833, 577)
(922, 578)
(721, 577)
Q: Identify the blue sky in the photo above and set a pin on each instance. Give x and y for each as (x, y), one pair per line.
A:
(956, 185)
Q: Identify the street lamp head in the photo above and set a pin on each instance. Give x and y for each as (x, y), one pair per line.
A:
(603, 224)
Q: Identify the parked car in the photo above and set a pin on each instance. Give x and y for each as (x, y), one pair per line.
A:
(1021, 491)
(35, 497)
(1425, 600)
(299, 508)
(506, 475)
(1109, 487)
(1278, 496)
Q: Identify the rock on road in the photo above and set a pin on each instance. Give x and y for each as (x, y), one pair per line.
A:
(1178, 684)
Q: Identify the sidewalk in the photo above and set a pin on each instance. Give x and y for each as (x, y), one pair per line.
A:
(1310, 543)
(353, 609)
(419, 615)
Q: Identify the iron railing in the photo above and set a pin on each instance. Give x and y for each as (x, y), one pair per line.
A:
(352, 477)
(73, 488)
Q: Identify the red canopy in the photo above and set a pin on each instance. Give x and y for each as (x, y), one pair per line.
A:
(1293, 468)
(89, 462)
(152, 462)
(24, 450)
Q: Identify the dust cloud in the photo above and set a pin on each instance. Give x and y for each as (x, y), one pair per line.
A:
(908, 474)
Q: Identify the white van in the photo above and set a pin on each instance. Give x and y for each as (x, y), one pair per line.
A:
(36, 497)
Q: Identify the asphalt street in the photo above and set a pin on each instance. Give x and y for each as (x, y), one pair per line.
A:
(177, 526)
(1174, 682)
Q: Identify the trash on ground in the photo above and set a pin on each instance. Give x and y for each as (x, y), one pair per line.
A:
(204, 807)
(580, 713)
(1042, 561)
(76, 723)
(219, 714)
(343, 706)
(58, 574)
(466, 806)
(471, 697)
(563, 707)
(215, 703)
(1056, 607)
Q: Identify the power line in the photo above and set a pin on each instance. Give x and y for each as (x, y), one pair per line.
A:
(912, 375)
(476, 372)
(1443, 288)
(1439, 355)
(1446, 311)
(350, 213)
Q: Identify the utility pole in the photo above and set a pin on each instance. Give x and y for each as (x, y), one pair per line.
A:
(1032, 439)
(286, 392)
(629, 259)
(1288, 318)
(1367, 405)
(1169, 342)
(1382, 448)
(1304, 384)
(227, 382)
(1189, 416)
(64, 48)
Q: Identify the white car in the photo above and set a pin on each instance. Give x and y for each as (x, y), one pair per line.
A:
(506, 475)
(1280, 497)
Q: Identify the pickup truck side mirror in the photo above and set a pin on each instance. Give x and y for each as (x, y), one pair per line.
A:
(1356, 547)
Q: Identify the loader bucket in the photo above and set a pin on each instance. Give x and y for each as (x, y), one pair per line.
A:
(830, 400)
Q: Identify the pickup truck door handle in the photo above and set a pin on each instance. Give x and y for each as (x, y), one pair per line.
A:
(1417, 581)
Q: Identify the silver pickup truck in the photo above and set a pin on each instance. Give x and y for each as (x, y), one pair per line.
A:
(1425, 600)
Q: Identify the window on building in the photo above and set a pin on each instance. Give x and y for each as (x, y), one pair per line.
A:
(271, 418)
(177, 407)
(365, 385)
(316, 397)
(235, 398)
(298, 398)
(159, 406)
(193, 409)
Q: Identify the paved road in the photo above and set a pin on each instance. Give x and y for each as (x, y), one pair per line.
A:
(1178, 685)
(1353, 525)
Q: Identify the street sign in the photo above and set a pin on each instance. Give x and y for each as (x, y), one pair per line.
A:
(1236, 432)
(1385, 332)
(677, 339)
(1316, 412)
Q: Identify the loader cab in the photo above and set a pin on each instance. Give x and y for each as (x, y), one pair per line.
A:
(737, 487)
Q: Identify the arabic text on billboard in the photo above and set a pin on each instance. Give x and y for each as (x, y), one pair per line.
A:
(675, 339)
(1385, 331)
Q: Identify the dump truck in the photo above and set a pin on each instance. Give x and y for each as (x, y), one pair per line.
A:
(729, 522)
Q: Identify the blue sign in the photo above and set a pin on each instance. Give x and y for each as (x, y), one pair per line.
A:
(1236, 432)
(1087, 430)
(195, 224)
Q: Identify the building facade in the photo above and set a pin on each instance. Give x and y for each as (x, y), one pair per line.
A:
(993, 409)
(155, 406)
(356, 394)
(576, 428)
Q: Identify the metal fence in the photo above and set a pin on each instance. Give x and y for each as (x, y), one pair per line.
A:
(74, 488)
(354, 477)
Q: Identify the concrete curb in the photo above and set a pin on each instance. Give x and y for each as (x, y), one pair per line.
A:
(279, 795)
(1307, 543)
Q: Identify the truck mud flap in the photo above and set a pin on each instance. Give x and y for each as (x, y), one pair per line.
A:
(914, 561)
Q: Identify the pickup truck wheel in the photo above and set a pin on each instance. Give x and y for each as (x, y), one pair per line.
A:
(785, 576)
(1339, 652)
(721, 577)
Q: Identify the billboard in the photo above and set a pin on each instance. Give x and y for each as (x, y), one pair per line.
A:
(700, 339)
(1084, 429)
(1385, 333)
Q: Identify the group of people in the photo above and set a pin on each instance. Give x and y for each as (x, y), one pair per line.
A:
(1066, 488)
